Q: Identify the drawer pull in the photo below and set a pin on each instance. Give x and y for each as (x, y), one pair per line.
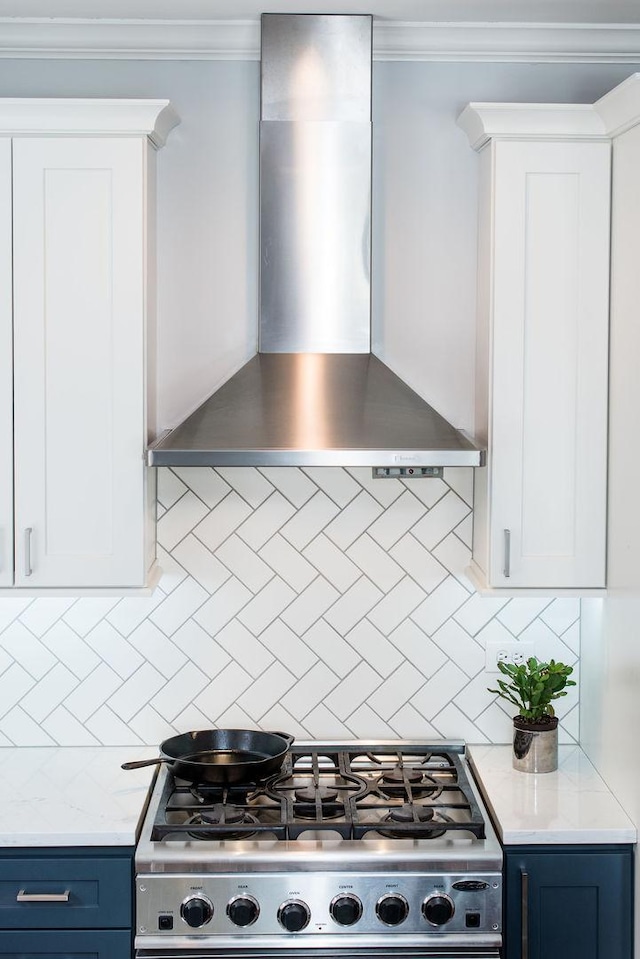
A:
(24, 896)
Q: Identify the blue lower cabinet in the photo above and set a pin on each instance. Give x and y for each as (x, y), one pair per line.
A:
(66, 903)
(568, 902)
(74, 944)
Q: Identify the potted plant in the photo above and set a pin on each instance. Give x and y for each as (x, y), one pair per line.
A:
(532, 688)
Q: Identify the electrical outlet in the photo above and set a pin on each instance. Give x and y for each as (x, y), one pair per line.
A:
(516, 652)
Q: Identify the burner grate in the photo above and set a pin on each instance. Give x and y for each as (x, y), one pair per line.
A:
(321, 792)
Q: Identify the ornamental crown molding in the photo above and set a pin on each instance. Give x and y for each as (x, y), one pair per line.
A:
(393, 40)
(611, 115)
(88, 117)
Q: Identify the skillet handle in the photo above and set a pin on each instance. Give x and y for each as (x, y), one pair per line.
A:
(290, 739)
(139, 763)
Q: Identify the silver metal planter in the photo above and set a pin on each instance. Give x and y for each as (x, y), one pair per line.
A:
(535, 746)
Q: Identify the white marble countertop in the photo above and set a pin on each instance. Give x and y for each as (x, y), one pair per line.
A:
(71, 796)
(570, 805)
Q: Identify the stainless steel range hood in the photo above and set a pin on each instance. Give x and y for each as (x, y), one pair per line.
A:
(315, 395)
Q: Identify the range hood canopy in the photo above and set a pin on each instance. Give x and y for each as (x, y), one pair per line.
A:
(315, 395)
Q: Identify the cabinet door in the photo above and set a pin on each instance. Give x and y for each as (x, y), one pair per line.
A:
(569, 905)
(6, 370)
(549, 357)
(79, 262)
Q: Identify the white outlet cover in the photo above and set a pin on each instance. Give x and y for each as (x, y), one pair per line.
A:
(522, 649)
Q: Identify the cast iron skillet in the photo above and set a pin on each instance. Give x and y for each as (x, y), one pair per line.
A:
(223, 756)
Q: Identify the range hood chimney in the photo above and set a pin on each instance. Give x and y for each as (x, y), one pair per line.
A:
(315, 395)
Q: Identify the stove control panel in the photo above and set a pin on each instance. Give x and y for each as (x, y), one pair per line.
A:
(308, 903)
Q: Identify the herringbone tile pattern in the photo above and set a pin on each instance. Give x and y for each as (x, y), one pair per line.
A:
(319, 601)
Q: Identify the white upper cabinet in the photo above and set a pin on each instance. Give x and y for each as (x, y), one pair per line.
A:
(540, 503)
(82, 271)
(6, 370)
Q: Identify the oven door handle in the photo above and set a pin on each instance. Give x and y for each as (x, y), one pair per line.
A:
(524, 893)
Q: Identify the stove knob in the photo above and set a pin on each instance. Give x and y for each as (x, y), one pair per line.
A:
(345, 910)
(294, 915)
(392, 910)
(196, 911)
(438, 909)
(243, 910)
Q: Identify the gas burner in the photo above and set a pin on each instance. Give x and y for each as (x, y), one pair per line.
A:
(404, 780)
(212, 823)
(308, 796)
(418, 815)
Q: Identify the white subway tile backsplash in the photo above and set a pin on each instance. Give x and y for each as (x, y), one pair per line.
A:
(460, 647)
(179, 606)
(519, 613)
(442, 603)
(49, 693)
(376, 564)
(374, 648)
(266, 605)
(399, 687)
(242, 646)
(86, 613)
(179, 691)
(114, 650)
(285, 645)
(460, 479)
(331, 648)
(266, 691)
(170, 488)
(264, 522)
(318, 601)
(418, 563)
(180, 520)
(417, 648)
(288, 563)
(353, 690)
(292, 483)
(309, 606)
(332, 562)
(309, 520)
(153, 645)
(222, 521)
(194, 557)
(88, 695)
(244, 563)
(20, 729)
(250, 484)
(207, 484)
(335, 482)
(353, 520)
(15, 683)
(367, 724)
(66, 730)
(40, 616)
(223, 606)
(311, 690)
(440, 520)
(201, 648)
(439, 690)
(401, 516)
(24, 646)
(397, 605)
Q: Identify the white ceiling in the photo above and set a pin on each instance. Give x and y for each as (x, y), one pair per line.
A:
(454, 11)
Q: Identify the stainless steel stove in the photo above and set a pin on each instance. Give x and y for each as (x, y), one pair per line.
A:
(353, 849)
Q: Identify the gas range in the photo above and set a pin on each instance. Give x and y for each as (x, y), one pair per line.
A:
(358, 846)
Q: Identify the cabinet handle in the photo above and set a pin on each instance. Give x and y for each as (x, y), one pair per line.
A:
(27, 551)
(524, 878)
(507, 554)
(43, 896)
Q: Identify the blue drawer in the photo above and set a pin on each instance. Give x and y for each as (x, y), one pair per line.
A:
(92, 893)
(99, 944)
